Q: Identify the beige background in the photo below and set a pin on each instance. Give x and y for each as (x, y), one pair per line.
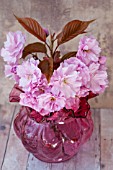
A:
(54, 14)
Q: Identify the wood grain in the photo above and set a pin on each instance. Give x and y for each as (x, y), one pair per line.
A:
(16, 156)
(6, 116)
(106, 139)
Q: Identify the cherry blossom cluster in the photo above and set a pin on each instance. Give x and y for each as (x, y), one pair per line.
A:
(73, 79)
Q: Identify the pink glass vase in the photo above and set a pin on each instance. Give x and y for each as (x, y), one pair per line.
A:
(53, 140)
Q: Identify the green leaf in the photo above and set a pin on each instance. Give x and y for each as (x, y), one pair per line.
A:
(71, 30)
(46, 67)
(34, 47)
(33, 27)
(69, 55)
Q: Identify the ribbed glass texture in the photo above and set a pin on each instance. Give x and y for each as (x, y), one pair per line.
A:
(52, 141)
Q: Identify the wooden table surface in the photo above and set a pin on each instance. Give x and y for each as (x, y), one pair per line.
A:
(96, 154)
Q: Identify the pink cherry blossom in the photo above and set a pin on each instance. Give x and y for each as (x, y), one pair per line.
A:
(39, 87)
(49, 102)
(83, 92)
(83, 76)
(88, 50)
(26, 99)
(11, 72)
(28, 72)
(13, 47)
(80, 67)
(66, 79)
(31, 93)
(102, 62)
(43, 103)
(72, 103)
(98, 79)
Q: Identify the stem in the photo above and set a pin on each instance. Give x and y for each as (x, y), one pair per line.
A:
(55, 39)
(47, 55)
(55, 49)
(51, 46)
(49, 49)
(48, 46)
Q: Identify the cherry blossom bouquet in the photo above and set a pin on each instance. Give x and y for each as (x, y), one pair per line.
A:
(54, 82)
(51, 85)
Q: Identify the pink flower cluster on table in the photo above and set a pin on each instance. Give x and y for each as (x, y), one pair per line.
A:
(76, 77)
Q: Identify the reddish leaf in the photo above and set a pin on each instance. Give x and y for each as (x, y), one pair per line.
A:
(69, 55)
(33, 27)
(71, 30)
(36, 116)
(57, 57)
(91, 95)
(46, 67)
(57, 60)
(32, 48)
(83, 108)
(14, 95)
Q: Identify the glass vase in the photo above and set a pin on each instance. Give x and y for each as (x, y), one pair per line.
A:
(53, 140)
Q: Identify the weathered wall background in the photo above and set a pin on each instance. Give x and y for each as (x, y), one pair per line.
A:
(54, 14)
